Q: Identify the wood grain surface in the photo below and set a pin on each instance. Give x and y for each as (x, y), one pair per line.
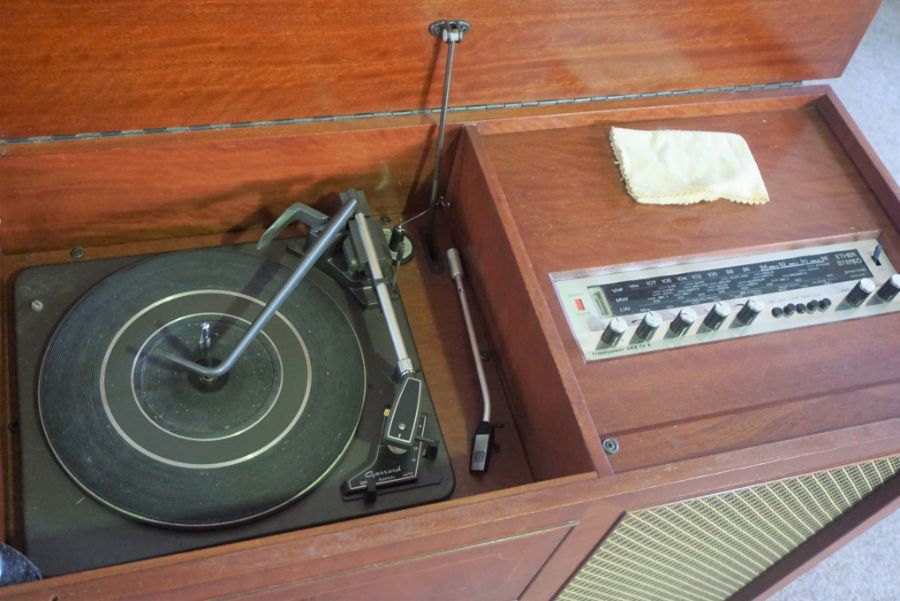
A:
(884, 186)
(351, 552)
(171, 187)
(87, 192)
(671, 451)
(570, 210)
(85, 66)
(289, 560)
(495, 570)
(543, 400)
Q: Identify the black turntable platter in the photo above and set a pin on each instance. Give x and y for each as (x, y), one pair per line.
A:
(117, 440)
(154, 441)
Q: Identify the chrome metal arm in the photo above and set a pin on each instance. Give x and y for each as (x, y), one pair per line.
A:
(404, 363)
(313, 254)
(451, 32)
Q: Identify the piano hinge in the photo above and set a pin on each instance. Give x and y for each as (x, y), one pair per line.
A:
(384, 114)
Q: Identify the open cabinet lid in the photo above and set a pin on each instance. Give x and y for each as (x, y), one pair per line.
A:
(85, 66)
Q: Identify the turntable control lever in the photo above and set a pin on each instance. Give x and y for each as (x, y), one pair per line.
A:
(313, 254)
(404, 414)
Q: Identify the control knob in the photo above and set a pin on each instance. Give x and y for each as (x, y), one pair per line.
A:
(890, 288)
(683, 321)
(717, 315)
(860, 292)
(648, 325)
(749, 311)
(614, 331)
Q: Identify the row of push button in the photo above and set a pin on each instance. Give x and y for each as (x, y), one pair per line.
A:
(810, 307)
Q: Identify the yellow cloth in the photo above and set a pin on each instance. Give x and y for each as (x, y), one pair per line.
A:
(684, 167)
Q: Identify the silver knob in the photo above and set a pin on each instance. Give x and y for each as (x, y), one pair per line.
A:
(648, 325)
(890, 288)
(860, 292)
(614, 331)
(683, 321)
(749, 311)
(717, 315)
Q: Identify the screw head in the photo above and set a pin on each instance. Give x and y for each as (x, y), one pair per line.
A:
(37, 306)
(611, 446)
(77, 253)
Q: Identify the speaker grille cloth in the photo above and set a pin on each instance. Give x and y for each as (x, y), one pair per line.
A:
(707, 549)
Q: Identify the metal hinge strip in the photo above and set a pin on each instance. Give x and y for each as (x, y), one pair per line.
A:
(401, 113)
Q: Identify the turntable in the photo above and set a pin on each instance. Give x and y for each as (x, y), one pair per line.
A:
(187, 399)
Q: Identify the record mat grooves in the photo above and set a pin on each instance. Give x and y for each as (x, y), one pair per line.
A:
(125, 457)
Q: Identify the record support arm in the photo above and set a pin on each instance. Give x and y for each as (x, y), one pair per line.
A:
(451, 31)
(404, 415)
(330, 234)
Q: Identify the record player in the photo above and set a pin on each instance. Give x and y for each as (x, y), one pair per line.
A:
(146, 147)
(129, 453)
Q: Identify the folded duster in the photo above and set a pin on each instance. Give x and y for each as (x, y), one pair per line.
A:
(685, 167)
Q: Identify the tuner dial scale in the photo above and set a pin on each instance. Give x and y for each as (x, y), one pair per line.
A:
(819, 278)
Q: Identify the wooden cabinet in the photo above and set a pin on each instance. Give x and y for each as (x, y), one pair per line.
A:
(487, 548)
(140, 129)
(493, 570)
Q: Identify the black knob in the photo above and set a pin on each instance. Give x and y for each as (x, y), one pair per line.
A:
(749, 311)
(648, 325)
(683, 321)
(717, 315)
(614, 331)
(824, 303)
(890, 288)
(398, 235)
(860, 292)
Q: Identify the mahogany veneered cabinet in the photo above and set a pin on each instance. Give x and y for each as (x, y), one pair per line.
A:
(712, 471)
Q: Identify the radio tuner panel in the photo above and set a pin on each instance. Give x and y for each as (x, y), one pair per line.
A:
(650, 307)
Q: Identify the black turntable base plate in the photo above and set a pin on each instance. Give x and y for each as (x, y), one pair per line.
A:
(108, 473)
(148, 438)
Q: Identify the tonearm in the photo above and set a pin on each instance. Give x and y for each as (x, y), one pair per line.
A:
(362, 249)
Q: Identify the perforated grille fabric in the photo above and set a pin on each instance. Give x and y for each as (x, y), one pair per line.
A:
(707, 549)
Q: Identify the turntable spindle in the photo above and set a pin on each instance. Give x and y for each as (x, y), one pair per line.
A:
(205, 343)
